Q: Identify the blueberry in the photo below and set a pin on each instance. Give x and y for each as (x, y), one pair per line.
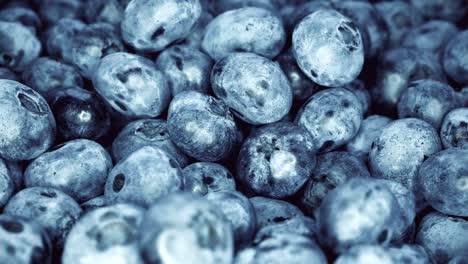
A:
(79, 114)
(150, 170)
(302, 87)
(91, 204)
(276, 160)
(248, 29)
(430, 36)
(454, 130)
(202, 126)
(301, 225)
(206, 177)
(328, 32)
(282, 248)
(332, 117)
(52, 209)
(91, 44)
(371, 25)
(6, 73)
(428, 100)
(400, 150)
(454, 57)
(132, 85)
(19, 46)
(409, 253)
(108, 11)
(181, 225)
(45, 75)
(397, 68)
(175, 19)
(78, 167)
(444, 181)
(370, 129)
(255, 88)
(52, 11)
(27, 126)
(107, 234)
(399, 17)
(443, 237)
(186, 67)
(271, 211)
(332, 169)
(60, 36)
(363, 254)
(23, 241)
(23, 15)
(239, 211)
(452, 10)
(146, 132)
(360, 211)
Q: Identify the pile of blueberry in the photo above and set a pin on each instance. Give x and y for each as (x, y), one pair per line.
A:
(234, 131)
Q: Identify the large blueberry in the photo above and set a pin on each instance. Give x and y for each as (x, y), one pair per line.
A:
(454, 130)
(132, 85)
(202, 126)
(255, 88)
(27, 126)
(205, 177)
(144, 176)
(430, 36)
(454, 58)
(78, 167)
(59, 38)
(23, 15)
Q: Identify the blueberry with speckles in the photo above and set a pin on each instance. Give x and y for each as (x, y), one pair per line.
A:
(358, 87)
(332, 169)
(332, 117)
(431, 36)
(146, 132)
(276, 160)
(301, 225)
(374, 31)
(399, 17)
(186, 68)
(91, 204)
(452, 10)
(23, 15)
(23, 241)
(370, 129)
(52, 209)
(454, 130)
(399, 67)
(248, 29)
(90, 45)
(79, 113)
(181, 225)
(400, 150)
(175, 20)
(202, 126)
(195, 38)
(105, 235)
(52, 11)
(6, 73)
(428, 100)
(359, 211)
(108, 11)
(255, 88)
(443, 237)
(328, 48)
(444, 181)
(19, 46)
(282, 248)
(78, 167)
(45, 75)
(221, 6)
(206, 177)
(59, 38)
(454, 57)
(302, 87)
(272, 211)
(132, 85)
(27, 126)
(239, 211)
(143, 176)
